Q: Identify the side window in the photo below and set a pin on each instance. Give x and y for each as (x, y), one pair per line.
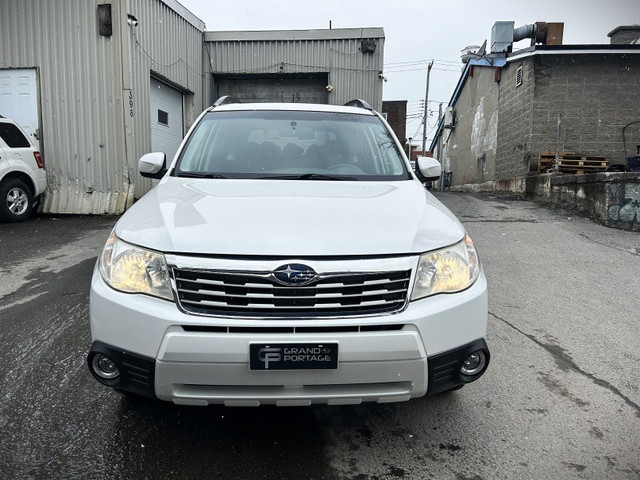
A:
(12, 136)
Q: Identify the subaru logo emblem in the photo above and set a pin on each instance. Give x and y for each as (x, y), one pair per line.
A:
(295, 274)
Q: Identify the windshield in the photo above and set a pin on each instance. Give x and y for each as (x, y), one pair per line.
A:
(291, 145)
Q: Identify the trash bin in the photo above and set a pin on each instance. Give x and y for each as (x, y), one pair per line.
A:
(446, 180)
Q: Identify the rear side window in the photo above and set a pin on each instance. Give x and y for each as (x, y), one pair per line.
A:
(12, 136)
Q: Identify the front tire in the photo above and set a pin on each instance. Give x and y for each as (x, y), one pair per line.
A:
(16, 200)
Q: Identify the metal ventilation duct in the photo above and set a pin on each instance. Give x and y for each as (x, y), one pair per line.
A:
(503, 34)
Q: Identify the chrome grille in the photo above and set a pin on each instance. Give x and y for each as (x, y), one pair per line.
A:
(255, 294)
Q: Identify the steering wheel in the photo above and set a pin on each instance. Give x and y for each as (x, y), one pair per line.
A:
(346, 166)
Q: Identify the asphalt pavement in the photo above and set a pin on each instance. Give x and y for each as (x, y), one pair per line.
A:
(560, 398)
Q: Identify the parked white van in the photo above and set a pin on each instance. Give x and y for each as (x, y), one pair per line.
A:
(288, 256)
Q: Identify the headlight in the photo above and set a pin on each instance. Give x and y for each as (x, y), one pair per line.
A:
(447, 270)
(133, 269)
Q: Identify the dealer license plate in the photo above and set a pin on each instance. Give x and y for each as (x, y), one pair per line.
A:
(293, 356)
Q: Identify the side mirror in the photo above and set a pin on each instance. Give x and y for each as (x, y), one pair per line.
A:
(430, 168)
(152, 165)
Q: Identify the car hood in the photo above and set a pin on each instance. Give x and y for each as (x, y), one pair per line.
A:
(290, 218)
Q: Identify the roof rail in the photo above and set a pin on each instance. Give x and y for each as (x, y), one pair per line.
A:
(356, 102)
(226, 100)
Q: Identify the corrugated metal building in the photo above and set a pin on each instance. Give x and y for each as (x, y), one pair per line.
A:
(99, 83)
(316, 66)
(89, 69)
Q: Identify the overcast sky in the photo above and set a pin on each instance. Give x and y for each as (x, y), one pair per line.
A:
(417, 31)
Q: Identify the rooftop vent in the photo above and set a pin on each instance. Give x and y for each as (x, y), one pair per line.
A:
(625, 35)
(468, 52)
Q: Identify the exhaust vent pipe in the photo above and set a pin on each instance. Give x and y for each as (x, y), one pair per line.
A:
(525, 31)
(503, 35)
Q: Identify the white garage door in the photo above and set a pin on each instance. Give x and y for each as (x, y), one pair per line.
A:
(19, 98)
(166, 119)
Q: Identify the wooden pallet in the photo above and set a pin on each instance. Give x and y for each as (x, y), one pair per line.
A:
(547, 160)
(571, 162)
(584, 163)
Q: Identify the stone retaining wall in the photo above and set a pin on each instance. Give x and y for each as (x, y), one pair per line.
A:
(611, 198)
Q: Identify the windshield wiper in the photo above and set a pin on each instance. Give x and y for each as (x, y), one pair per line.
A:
(200, 175)
(308, 176)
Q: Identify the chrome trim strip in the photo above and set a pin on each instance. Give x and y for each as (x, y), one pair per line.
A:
(265, 267)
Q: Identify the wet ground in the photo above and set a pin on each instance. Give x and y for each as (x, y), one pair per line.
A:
(560, 399)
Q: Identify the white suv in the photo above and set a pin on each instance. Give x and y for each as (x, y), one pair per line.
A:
(288, 256)
(22, 175)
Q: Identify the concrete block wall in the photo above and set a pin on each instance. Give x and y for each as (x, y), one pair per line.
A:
(470, 151)
(624, 34)
(596, 95)
(514, 150)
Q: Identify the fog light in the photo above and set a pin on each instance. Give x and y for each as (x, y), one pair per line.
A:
(474, 364)
(104, 367)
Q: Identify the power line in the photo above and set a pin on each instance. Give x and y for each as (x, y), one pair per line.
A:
(456, 62)
(458, 70)
(421, 101)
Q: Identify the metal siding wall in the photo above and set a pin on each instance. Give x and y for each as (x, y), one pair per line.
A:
(78, 96)
(170, 48)
(352, 74)
(89, 142)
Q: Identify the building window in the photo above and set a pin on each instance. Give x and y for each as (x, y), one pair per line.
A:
(163, 117)
(519, 76)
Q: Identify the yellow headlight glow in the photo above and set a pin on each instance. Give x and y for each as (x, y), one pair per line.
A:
(133, 269)
(452, 273)
(130, 272)
(447, 270)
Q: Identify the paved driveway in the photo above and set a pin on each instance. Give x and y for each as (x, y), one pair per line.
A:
(560, 399)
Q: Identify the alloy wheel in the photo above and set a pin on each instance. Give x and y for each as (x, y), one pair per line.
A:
(17, 201)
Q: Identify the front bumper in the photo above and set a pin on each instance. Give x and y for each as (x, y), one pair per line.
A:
(137, 376)
(202, 360)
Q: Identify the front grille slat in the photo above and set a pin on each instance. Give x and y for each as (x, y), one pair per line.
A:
(250, 294)
(268, 306)
(216, 293)
(269, 286)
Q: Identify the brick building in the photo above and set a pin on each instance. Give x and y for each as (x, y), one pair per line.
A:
(507, 108)
(395, 112)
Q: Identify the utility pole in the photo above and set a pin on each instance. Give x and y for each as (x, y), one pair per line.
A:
(426, 106)
(440, 148)
(439, 120)
(559, 131)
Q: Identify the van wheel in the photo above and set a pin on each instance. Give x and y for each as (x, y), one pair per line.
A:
(16, 200)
